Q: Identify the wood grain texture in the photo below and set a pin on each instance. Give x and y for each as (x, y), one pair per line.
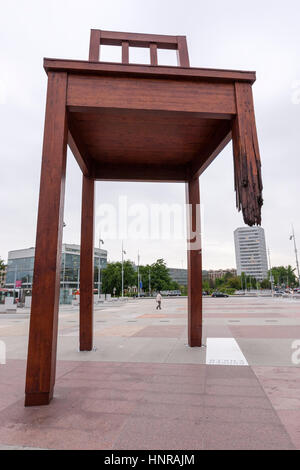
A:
(87, 265)
(125, 52)
(140, 172)
(247, 165)
(115, 38)
(41, 361)
(151, 94)
(192, 73)
(94, 45)
(153, 54)
(182, 54)
(83, 163)
(215, 143)
(138, 137)
(194, 261)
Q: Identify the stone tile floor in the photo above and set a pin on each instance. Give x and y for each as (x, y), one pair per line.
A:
(144, 388)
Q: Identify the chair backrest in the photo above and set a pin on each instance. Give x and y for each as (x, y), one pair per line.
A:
(126, 40)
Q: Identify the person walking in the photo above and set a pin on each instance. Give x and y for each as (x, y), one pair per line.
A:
(158, 300)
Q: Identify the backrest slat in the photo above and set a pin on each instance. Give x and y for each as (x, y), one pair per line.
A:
(125, 52)
(153, 54)
(126, 40)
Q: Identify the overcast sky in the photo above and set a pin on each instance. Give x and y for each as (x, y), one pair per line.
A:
(259, 35)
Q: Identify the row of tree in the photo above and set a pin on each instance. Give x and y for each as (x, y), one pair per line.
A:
(282, 277)
(154, 277)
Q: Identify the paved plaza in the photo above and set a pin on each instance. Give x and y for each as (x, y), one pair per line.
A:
(143, 387)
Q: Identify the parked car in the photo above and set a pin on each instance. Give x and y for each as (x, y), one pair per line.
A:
(219, 294)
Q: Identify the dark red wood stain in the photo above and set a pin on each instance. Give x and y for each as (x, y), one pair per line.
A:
(137, 123)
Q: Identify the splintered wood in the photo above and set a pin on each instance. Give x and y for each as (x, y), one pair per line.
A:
(247, 166)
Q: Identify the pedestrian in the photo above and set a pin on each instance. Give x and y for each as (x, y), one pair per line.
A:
(158, 300)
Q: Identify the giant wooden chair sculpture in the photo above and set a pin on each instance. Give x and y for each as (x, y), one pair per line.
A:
(131, 122)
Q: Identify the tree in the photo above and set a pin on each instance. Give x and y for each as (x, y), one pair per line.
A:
(160, 276)
(2, 270)
(2, 265)
(234, 282)
(144, 277)
(112, 277)
(284, 276)
(265, 284)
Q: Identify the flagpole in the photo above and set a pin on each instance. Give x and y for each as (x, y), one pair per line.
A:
(271, 274)
(296, 255)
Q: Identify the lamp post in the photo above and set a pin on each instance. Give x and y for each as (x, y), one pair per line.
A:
(123, 253)
(296, 253)
(99, 268)
(271, 275)
(138, 272)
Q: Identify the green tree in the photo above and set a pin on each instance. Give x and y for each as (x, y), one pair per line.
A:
(234, 282)
(160, 276)
(2, 269)
(265, 284)
(2, 265)
(144, 277)
(284, 276)
(112, 277)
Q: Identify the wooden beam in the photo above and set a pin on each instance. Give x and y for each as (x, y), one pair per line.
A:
(217, 143)
(182, 52)
(134, 172)
(125, 52)
(168, 95)
(115, 38)
(87, 265)
(153, 54)
(41, 360)
(191, 73)
(78, 156)
(194, 258)
(94, 45)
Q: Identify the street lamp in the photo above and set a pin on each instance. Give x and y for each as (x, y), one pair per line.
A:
(99, 268)
(296, 253)
(271, 275)
(138, 272)
(123, 253)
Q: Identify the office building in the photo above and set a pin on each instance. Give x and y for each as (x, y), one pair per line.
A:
(20, 266)
(250, 252)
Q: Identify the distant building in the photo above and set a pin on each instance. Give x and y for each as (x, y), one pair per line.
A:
(213, 274)
(250, 252)
(178, 275)
(20, 266)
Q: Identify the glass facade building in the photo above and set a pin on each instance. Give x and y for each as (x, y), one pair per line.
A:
(20, 267)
